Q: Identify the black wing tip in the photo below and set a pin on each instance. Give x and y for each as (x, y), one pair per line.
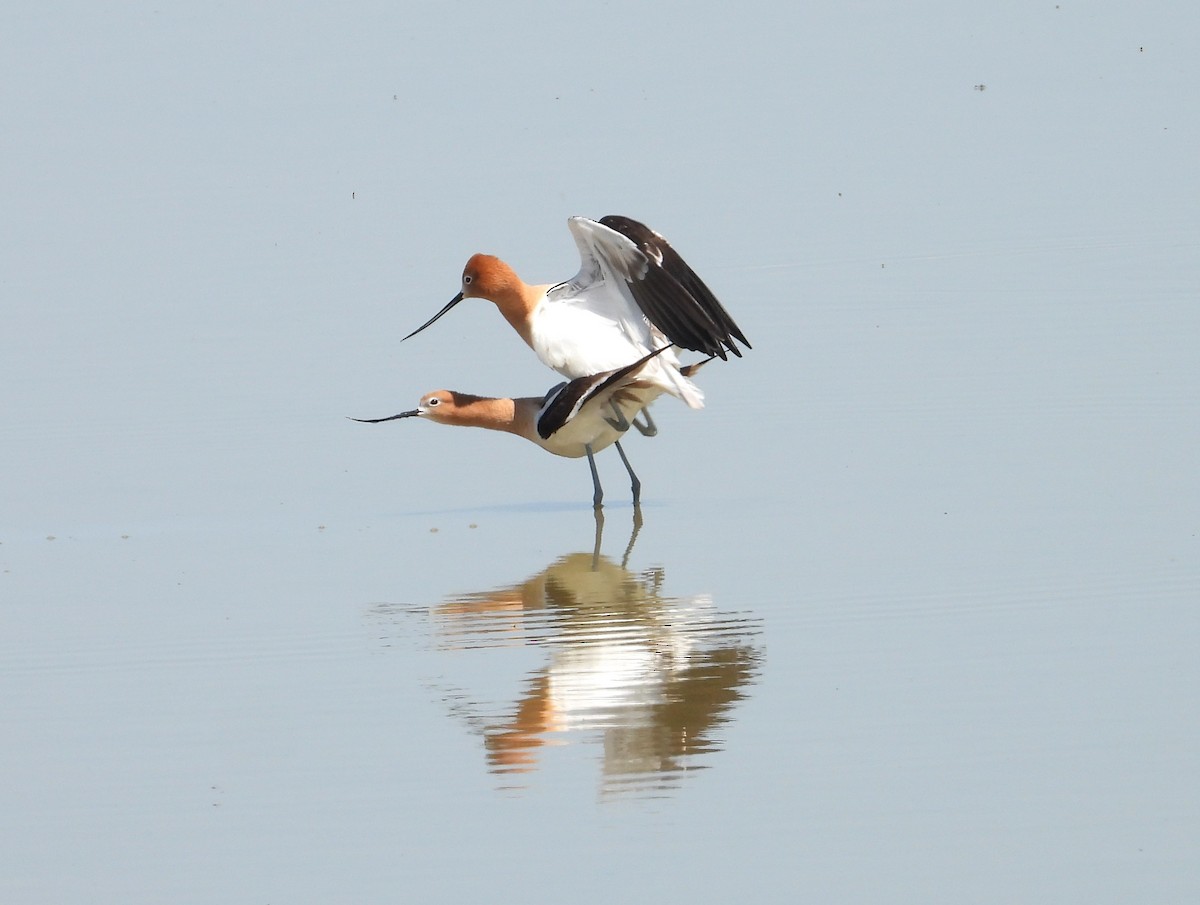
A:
(631, 229)
(714, 332)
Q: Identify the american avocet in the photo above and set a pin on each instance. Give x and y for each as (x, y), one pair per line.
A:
(574, 419)
(633, 293)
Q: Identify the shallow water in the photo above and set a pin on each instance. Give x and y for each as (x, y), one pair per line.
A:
(606, 658)
(909, 613)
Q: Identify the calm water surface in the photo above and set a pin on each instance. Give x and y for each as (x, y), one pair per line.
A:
(911, 612)
(619, 664)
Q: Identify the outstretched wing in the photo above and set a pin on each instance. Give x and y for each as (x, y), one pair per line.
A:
(666, 289)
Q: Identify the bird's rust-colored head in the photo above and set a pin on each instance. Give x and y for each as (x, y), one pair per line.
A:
(463, 409)
(487, 277)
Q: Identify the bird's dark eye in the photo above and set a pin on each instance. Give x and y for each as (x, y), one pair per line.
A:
(466, 278)
(434, 401)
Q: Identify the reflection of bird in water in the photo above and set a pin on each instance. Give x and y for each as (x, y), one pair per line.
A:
(654, 675)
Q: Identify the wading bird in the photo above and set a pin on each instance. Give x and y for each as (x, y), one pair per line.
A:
(577, 418)
(633, 293)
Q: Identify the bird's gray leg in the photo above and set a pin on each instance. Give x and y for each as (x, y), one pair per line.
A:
(599, 494)
(636, 484)
(649, 429)
(621, 423)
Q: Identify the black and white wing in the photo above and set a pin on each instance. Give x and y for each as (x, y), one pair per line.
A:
(564, 401)
(666, 289)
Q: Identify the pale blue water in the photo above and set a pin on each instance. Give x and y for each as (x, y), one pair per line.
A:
(911, 615)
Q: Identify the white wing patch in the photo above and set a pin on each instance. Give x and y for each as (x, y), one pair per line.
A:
(606, 249)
